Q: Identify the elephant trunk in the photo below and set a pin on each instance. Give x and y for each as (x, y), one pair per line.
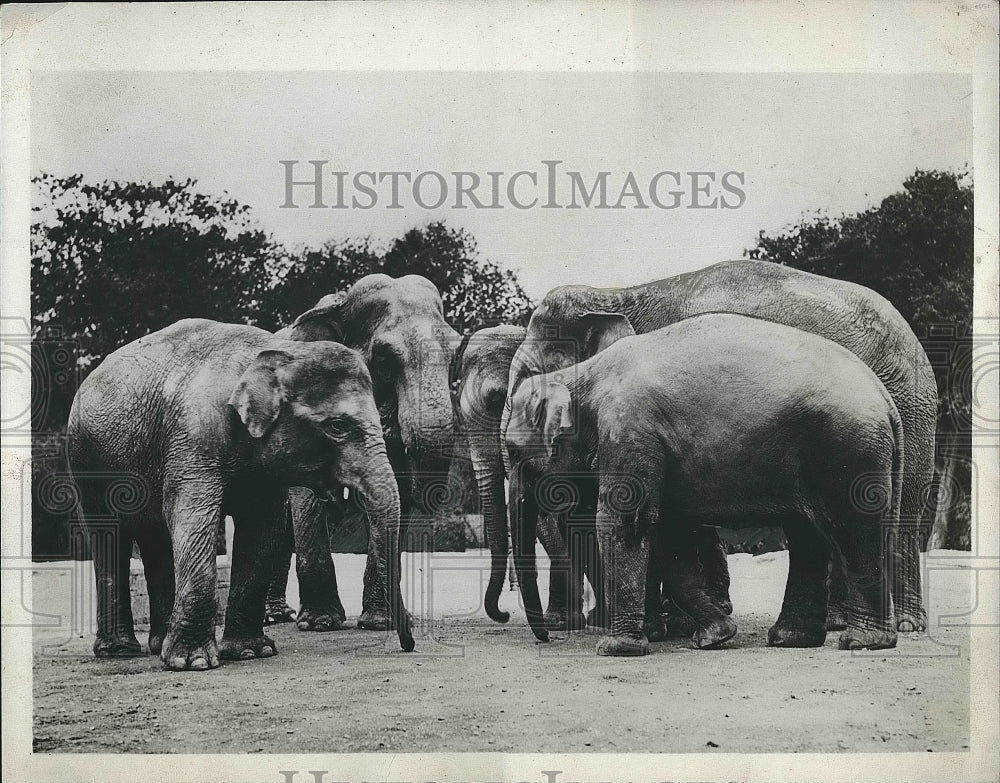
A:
(524, 523)
(426, 415)
(380, 497)
(489, 478)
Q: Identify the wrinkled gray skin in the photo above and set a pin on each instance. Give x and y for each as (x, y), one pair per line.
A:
(398, 326)
(479, 382)
(582, 319)
(727, 420)
(218, 419)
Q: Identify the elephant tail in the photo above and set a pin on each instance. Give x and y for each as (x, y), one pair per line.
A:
(897, 461)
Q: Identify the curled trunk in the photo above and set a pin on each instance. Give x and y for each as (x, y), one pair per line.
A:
(489, 478)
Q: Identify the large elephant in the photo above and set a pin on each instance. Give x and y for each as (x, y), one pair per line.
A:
(213, 419)
(720, 419)
(480, 373)
(573, 323)
(398, 326)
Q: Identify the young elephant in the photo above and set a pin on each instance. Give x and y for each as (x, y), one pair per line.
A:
(729, 420)
(218, 419)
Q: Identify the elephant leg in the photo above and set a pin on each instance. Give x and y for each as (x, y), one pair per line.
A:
(916, 512)
(625, 543)
(158, 562)
(685, 581)
(254, 540)
(715, 566)
(276, 608)
(905, 577)
(655, 627)
(836, 612)
(871, 623)
(564, 610)
(111, 550)
(802, 622)
(587, 552)
(320, 606)
(191, 508)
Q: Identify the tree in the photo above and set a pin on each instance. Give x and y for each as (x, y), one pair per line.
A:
(475, 292)
(113, 261)
(916, 249)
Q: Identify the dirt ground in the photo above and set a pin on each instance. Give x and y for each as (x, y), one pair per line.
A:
(474, 685)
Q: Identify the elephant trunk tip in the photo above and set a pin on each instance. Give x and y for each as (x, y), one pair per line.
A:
(493, 610)
(406, 639)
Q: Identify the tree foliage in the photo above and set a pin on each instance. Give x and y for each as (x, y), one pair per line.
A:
(475, 292)
(114, 261)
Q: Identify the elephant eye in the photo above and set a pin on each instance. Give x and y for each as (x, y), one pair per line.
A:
(383, 363)
(337, 427)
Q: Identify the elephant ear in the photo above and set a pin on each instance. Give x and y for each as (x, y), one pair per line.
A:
(321, 322)
(603, 329)
(257, 397)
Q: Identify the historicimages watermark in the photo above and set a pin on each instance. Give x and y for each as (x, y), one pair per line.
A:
(316, 184)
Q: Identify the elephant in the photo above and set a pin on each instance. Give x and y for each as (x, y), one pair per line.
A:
(213, 419)
(398, 326)
(479, 384)
(720, 419)
(572, 323)
(480, 373)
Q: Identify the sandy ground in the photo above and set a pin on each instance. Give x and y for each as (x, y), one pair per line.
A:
(474, 685)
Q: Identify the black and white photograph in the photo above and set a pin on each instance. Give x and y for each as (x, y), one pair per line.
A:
(428, 392)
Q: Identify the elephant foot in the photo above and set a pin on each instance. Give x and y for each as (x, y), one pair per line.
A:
(598, 618)
(836, 617)
(319, 620)
(678, 623)
(374, 620)
(563, 620)
(911, 621)
(714, 634)
(156, 642)
(655, 628)
(121, 645)
(245, 648)
(277, 611)
(721, 600)
(623, 646)
(198, 656)
(796, 636)
(866, 639)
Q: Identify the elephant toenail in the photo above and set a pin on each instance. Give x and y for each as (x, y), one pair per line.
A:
(247, 654)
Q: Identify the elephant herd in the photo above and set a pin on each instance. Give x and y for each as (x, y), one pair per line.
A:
(620, 428)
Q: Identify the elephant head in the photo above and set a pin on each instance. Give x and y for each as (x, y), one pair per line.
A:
(398, 325)
(558, 338)
(311, 419)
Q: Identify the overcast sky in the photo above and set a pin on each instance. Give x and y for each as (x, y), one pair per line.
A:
(802, 142)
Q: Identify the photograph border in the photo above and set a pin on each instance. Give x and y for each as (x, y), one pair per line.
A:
(758, 37)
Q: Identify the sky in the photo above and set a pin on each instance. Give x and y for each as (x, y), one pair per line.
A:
(800, 142)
